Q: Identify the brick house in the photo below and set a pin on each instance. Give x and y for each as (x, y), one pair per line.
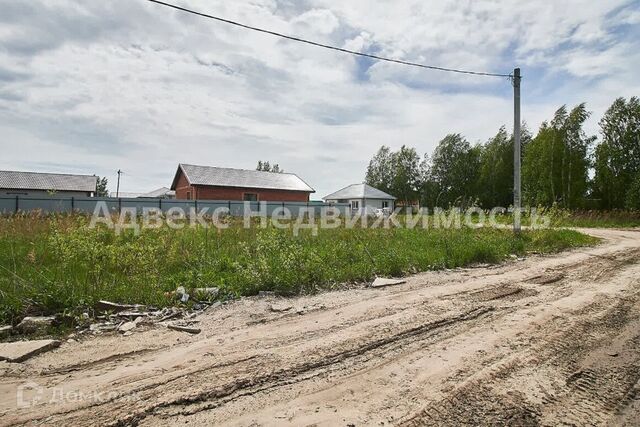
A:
(213, 183)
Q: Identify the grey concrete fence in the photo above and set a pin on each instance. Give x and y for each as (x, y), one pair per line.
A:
(16, 204)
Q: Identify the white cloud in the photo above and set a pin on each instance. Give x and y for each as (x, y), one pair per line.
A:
(94, 87)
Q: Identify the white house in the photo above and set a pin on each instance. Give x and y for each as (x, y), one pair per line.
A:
(362, 198)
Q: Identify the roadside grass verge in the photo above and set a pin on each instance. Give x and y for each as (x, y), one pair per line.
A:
(56, 264)
(580, 218)
(599, 219)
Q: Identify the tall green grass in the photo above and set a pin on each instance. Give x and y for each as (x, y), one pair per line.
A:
(559, 217)
(57, 264)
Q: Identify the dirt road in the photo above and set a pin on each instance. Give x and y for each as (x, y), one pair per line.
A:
(542, 341)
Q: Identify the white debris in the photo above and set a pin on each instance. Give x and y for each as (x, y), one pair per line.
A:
(181, 294)
(115, 307)
(127, 326)
(381, 282)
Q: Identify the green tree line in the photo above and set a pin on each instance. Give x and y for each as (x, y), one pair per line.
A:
(561, 165)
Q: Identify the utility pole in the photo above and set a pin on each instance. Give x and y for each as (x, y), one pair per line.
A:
(516, 151)
(118, 186)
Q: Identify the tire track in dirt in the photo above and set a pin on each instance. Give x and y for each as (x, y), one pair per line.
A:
(592, 382)
(250, 384)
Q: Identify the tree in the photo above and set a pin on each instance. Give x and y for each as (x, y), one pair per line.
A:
(101, 187)
(495, 180)
(406, 180)
(576, 161)
(380, 171)
(454, 171)
(617, 157)
(428, 187)
(633, 195)
(266, 167)
(556, 162)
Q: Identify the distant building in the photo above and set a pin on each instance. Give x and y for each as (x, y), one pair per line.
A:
(213, 183)
(14, 183)
(160, 193)
(362, 198)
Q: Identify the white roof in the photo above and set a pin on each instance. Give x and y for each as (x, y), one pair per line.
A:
(358, 191)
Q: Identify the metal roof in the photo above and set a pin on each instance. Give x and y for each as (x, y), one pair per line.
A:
(155, 194)
(47, 181)
(160, 192)
(358, 191)
(227, 177)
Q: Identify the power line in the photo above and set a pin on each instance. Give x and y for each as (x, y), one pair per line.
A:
(326, 46)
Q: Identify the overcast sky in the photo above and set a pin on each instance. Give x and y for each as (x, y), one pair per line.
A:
(93, 86)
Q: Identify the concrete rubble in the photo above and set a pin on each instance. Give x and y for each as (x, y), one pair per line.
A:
(123, 318)
(128, 326)
(115, 307)
(187, 329)
(380, 282)
(30, 325)
(19, 351)
(182, 294)
(127, 318)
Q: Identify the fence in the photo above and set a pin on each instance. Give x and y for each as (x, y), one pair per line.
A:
(15, 204)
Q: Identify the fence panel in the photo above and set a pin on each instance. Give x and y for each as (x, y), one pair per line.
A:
(88, 205)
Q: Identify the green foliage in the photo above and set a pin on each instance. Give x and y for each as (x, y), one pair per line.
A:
(101, 187)
(454, 171)
(397, 173)
(617, 158)
(380, 171)
(495, 181)
(633, 195)
(596, 218)
(54, 264)
(406, 178)
(556, 163)
(266, 167)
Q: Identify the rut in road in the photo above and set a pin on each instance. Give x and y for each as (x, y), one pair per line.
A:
(576, 376)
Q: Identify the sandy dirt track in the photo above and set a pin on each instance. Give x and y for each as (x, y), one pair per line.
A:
(543, 341)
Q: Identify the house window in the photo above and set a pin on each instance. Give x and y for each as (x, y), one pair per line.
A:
(355, 204)
(250, 197)
(385, 204)
(188, 195)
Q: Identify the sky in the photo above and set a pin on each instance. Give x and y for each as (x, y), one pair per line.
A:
(92, 87)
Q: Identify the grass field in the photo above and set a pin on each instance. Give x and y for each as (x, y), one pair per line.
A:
(57, 264)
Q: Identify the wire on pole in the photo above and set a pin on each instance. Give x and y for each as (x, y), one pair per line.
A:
(326, 46)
